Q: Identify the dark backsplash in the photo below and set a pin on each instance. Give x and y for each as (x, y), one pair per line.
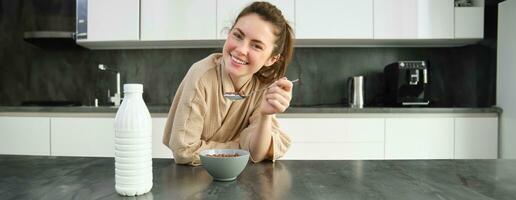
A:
(459, 76)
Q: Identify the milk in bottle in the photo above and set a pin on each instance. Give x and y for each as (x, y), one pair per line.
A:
(133, 139)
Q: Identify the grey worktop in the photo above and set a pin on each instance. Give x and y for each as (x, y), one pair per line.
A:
(319, 109)
(39, 177)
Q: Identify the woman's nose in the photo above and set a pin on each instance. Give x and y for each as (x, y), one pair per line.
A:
(242, 48)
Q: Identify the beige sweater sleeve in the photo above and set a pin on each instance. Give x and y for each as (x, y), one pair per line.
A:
(185, 122)
(280, 140)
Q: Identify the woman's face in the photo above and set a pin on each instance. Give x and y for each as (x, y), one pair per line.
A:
(249, 47)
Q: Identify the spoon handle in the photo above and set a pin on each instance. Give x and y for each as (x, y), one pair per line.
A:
(293, 81)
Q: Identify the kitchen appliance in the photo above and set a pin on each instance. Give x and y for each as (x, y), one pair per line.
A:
(50, 24)
(406, 83)
(356, 92)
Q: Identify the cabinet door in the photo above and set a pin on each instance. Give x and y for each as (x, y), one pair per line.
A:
(334, 138)
(83, 137)
(335, 151)
(159, 150)
(419, 138)
(334, 129)
(113, 20)
(476, 138)
(228, 10)
(25, 135)
(178, 20)
(469, 22)
(413, 19)
(334, 19)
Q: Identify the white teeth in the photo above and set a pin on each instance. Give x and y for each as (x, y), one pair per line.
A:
(238, 60)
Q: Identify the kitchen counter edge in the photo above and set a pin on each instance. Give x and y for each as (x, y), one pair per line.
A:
(163, 110)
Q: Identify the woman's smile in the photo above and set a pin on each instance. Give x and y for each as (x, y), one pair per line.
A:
(238, 61)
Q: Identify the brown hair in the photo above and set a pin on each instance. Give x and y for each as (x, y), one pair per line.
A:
(284, 45)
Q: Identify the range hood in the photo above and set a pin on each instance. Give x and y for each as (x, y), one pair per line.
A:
(51, 39)
(50, 24)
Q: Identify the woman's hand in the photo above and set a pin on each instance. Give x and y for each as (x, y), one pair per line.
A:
(277, 97)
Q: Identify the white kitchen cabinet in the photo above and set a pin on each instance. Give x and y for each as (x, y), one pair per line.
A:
(335, 151)
(314, 136)
(112, 20)
(469, 22)
(228, 10)
(94, 136)
(82, 136)
(159, 150)
(334, 138)
(334, 19)
(25, 135)
(413, 19)
(419, 138)
(476, 138)
(163, 20)
(141, 24)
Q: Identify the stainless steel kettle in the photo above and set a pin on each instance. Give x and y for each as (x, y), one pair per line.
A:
(356, 92)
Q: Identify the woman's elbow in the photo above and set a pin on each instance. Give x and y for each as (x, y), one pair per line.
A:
(184, 156)
(258, 157)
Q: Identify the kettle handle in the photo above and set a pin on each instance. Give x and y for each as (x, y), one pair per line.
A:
(350, 79)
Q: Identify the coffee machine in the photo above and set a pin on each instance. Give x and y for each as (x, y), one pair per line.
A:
(406, 83)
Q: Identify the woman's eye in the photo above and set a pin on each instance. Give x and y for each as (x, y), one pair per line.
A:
(257, 46)
(237, 35)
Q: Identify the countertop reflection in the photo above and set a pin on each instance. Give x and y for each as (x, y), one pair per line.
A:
(47, 177)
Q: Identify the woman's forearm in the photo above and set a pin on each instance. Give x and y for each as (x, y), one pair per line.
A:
(188, 154)
(261, 140)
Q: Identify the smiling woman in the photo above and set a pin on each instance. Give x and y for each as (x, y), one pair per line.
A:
(255, 56)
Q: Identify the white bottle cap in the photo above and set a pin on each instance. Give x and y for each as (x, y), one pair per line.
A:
(133, 87)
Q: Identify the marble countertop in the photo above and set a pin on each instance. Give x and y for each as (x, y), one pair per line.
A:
(42, 177)
(316, 109)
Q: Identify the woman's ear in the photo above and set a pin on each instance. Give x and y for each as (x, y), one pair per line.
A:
(272, 60)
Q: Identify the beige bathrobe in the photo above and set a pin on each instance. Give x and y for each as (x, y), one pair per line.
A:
(201, 118)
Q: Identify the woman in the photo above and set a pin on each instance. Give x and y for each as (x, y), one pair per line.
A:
(255, 55)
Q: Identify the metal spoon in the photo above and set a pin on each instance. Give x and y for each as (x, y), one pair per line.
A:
(235, 96)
